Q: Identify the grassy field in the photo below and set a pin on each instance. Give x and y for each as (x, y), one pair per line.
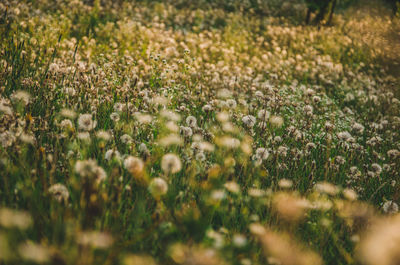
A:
(142, 132)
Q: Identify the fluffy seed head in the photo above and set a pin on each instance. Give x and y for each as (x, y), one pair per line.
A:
(171, 164)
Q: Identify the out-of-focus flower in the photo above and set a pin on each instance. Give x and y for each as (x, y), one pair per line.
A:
(13, 218)
(276, 121)
(158, 187)
(21, 96)
(381, 243)
(90, 169)
(59, 192)
(95, 239)
(138, 260)
(290, 206)
(34, 252)
(134, 165)
(171, 164)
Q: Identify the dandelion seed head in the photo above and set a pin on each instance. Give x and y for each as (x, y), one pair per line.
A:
(158, 187)
(86, 123)
(171, 164)
(59, 192)
(134, 165)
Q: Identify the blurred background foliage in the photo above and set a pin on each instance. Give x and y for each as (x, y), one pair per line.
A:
(271, 7)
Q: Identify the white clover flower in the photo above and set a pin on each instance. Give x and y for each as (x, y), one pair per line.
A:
(86, 123)
(171, 164)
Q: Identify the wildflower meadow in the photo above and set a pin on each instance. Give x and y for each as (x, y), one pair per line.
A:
(200, 132)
